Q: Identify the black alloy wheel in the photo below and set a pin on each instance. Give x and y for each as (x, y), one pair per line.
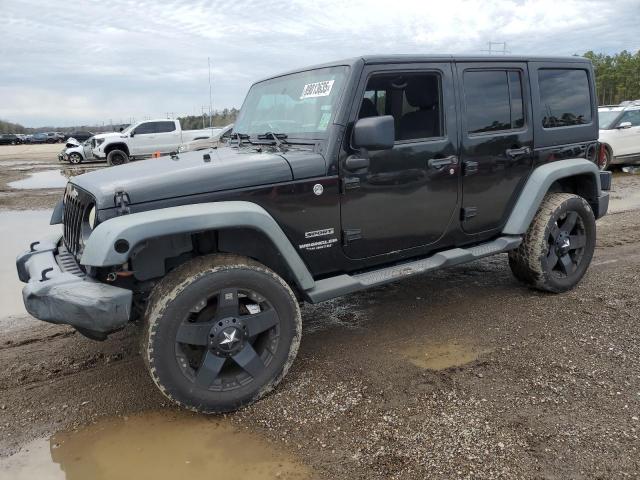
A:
(567, 239)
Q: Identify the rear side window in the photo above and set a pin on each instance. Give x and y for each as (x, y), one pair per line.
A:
(165, 127)
(565, 97)
(494, 100)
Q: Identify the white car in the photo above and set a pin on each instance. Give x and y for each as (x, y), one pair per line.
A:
(143, 140)
(75, 152)
(210, 138)
(619, 134)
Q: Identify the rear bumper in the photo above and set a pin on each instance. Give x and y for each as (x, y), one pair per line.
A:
(54, 294)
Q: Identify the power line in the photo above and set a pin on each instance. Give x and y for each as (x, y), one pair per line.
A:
(491, 50)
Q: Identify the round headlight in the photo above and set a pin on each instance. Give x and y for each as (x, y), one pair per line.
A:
(92, 217)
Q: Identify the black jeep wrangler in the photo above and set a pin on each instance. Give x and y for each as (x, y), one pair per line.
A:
(337, 178)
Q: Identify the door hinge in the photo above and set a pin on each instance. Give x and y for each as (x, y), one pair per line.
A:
(468, 212)
(351, 235)
(469, 168)
(122, 202)
(350, 183)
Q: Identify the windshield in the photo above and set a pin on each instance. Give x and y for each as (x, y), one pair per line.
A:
(298, 105)
(606, 118)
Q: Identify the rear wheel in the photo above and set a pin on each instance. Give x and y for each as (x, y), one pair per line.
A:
(222, 331)
(117, 157)
(558, 247)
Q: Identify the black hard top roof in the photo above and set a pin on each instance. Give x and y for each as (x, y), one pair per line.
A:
(413, 58)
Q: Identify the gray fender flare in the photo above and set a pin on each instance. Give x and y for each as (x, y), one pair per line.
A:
(537, 187)
(135, 228)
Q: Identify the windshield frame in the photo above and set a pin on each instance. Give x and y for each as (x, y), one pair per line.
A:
(301, 136)
(609, 125)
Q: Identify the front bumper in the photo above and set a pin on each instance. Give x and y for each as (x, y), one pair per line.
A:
(57, 291)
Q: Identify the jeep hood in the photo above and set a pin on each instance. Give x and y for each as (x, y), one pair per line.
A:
(190, 174)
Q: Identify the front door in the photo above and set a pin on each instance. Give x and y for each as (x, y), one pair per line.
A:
(407, 195)
(143, 140)
(627, 139)
(497, 141)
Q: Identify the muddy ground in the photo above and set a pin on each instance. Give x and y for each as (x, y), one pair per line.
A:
(459, 374)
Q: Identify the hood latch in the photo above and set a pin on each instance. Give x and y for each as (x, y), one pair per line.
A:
(122, 202)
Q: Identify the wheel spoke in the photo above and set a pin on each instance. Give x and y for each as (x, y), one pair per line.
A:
(260, 322)
(209, 370)
(194, 333)
(554, 231)
(566, 264)
(552, 258)
(227, 304)
(570, 222)
(577, 241)
(249, 360)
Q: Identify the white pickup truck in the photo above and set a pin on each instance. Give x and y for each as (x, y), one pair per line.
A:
(143, 139)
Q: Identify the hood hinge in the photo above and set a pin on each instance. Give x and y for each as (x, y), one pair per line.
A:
(122, 202)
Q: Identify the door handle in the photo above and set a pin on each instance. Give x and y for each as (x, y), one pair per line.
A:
(443, 162)
(517, 152)
(356, 163)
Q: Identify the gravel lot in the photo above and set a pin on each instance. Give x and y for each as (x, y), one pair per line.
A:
(460, 374)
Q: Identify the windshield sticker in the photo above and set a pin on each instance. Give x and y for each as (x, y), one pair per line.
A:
(318, 89)
(324, 121)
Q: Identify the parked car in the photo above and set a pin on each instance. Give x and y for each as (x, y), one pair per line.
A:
(22, 138)
(337, 178)
(76, 152)
(211, 137)
(619, 134)
(9, 139)
(40, 138)
(142, 140)
(79, 135)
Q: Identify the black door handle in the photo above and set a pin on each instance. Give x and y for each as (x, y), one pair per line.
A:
(356, 163)
(443, 162)
(517, 152)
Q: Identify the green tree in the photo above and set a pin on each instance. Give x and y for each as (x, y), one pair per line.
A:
(617, 76)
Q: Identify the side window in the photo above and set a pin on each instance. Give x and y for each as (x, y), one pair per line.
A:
(632, 116)
(493, 100)
(147, 127)
(413, 99)
(165, 127)
(565, 97)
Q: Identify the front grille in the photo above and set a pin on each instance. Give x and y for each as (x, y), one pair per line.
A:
(76, 204)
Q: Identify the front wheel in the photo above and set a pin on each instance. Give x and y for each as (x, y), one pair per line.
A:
(117, 157)
(75, 158)
(604, 158)
(222, 331)
(558, 247)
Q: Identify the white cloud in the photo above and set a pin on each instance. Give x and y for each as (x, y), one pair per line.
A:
(88, 62)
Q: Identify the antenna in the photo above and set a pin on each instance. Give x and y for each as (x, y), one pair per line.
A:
(210, 97)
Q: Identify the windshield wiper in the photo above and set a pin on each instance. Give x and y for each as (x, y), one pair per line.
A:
(279, 138)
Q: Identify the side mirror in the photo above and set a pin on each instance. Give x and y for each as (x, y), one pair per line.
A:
(625, 125)
(374, 133)
(132, 134)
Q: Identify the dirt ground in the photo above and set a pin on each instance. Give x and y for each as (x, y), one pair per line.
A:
(459, 374)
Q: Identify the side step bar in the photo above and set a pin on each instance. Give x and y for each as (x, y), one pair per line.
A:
(344, 284)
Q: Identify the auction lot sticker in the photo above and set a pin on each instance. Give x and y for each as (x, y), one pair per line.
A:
(318, 89)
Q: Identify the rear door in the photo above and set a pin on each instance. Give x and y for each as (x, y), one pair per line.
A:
(168, 137)
(497, 141)
(407, 195)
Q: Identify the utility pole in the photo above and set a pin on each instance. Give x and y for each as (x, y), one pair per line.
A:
(502, 51)
(210, 96)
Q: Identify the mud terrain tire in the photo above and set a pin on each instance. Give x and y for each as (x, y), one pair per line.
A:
(558, 247)
(222, 297)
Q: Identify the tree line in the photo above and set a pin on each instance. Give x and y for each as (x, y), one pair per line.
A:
(220, 118)
(617, 76)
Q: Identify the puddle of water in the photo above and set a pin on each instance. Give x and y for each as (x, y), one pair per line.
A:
(154, 446)
(44, 179)
(442, 356)
(17, 231)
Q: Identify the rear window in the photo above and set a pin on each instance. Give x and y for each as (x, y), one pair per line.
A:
(565, 97)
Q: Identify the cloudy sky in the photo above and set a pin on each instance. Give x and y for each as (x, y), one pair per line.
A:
(69, 63)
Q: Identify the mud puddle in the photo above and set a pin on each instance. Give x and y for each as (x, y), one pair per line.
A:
(17, 231)
(44, 179)
(156, 445)
(444, 355)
